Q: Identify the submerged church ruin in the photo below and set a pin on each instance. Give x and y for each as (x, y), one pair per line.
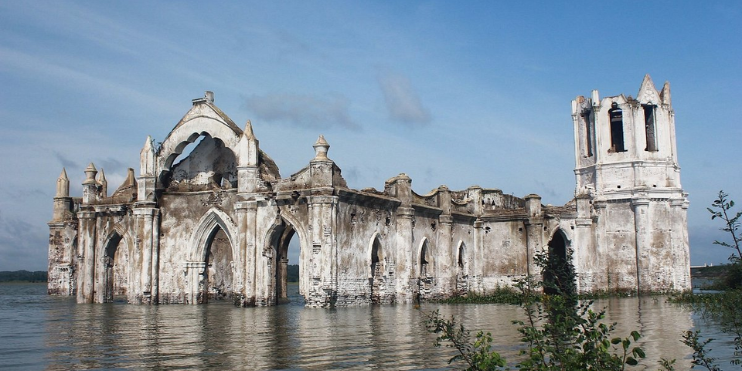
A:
(217, 224)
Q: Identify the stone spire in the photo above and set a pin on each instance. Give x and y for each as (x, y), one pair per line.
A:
(665, 94)
(147, 158)
(63, 185)
(320, 149)
(103, 183)
(248, 131)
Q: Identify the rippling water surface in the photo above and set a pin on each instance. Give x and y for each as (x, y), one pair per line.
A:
(44, 332)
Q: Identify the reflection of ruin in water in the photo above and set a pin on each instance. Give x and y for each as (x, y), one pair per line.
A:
(220, 336)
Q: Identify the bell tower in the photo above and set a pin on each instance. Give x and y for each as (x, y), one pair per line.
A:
(626, 165)
(626, 145)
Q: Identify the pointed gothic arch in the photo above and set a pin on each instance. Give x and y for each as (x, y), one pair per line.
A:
(201, 237)
(202, 275)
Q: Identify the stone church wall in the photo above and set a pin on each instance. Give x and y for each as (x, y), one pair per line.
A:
(215, 223)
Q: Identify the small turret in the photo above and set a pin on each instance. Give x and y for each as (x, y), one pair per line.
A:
(90, 185)
(322, 169)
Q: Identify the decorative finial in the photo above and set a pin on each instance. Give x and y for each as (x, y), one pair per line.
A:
(90, 173)
(320, 148)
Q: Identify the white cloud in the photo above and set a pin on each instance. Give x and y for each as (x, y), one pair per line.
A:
(402, 102)
(303, 110)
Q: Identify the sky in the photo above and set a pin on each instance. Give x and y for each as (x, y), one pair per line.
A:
(454, 93)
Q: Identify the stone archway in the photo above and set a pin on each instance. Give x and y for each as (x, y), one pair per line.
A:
(219, 270)
(558, 274)
(273, 286)
(279, 241)
(210, 271)
(114, 282)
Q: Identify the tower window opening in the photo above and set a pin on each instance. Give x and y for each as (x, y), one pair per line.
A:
(616, 117)
(649, 126)
(588, 132)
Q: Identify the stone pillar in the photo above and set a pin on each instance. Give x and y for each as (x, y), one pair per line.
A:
(446, 260)
(584, 249)
(323, 289)
(246, 222)
(477, 268)
(194, 277)
(680, 247)
(534, 231)
(641, 227)
(404, 255)
(156, 257)
(145, 219)
(86, 243)
(101, 266)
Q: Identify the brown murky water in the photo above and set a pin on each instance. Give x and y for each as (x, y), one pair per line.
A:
(42, 332)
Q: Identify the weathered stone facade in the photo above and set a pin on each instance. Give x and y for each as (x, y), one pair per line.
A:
(218, 223)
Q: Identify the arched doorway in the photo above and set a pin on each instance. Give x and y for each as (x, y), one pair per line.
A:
(219, 271)
(285, 243)
(115, 274)
(426, 271)
(462, 270)
(558, 273)
(377, 271)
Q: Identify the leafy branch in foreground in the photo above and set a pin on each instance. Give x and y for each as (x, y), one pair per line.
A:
(722, 208)
(700, 357)
(479, 355)
(559, 333)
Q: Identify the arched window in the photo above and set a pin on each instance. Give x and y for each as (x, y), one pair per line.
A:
(649, 127)
(376, 259)
(616, 118)
(588, 131)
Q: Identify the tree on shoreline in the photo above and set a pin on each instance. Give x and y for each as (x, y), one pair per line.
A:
(23, 276)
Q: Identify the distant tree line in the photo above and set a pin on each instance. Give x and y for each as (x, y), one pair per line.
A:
(292, 273)
(23, 276)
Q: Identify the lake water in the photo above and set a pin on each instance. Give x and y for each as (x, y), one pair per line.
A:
(38, 331)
